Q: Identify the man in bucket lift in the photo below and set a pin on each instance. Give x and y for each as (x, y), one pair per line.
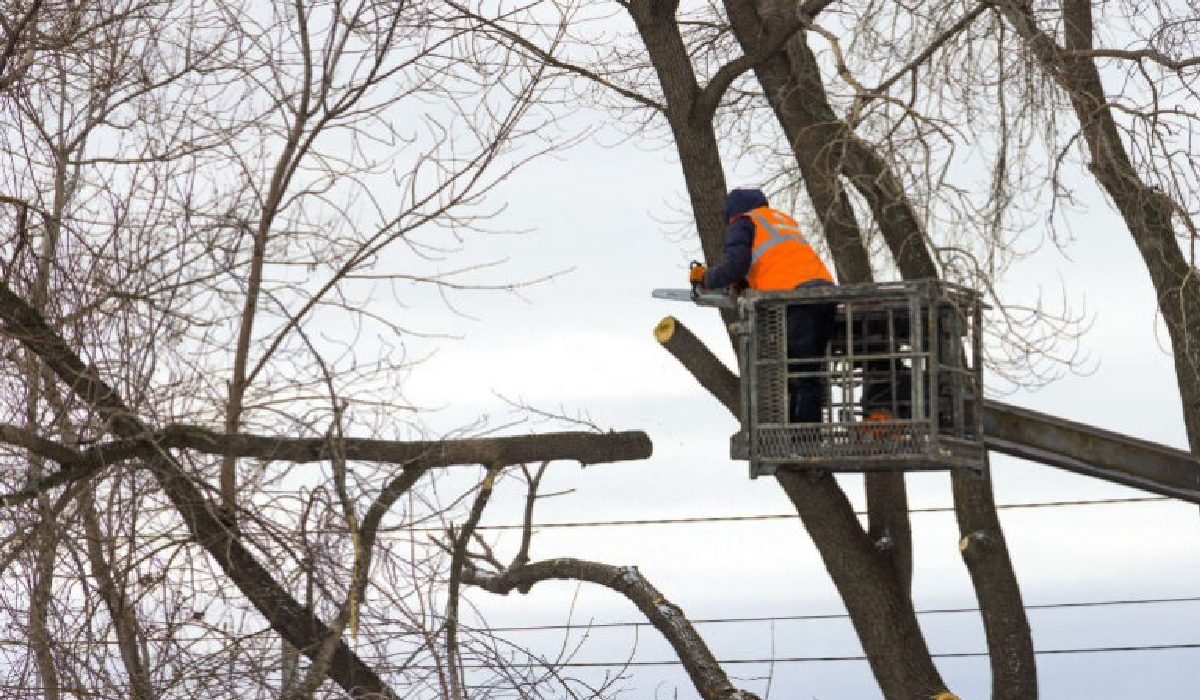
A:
(765, 250)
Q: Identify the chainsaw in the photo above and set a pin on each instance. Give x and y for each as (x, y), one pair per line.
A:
(719, 298)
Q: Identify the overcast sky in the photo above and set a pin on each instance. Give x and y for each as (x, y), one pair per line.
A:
(581, 344)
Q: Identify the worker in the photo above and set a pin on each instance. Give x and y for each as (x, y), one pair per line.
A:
(765, 251)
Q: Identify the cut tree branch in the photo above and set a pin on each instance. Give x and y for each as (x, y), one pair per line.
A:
(576, 446)
(695, 356)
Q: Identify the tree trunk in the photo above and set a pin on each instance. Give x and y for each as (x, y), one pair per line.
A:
(695, 139)
(1148, 212)
(879, 606)
(797, 81)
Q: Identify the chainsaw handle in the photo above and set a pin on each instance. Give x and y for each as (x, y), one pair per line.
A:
(695, 285)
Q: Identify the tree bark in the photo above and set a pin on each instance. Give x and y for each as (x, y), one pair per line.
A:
(879, 606)
(577, 446)
(695, 139)
(712, 374)
(810, 130)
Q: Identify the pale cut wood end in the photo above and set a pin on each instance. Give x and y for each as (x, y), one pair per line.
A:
(665, 329)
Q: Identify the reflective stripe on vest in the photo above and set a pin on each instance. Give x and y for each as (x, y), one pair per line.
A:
(776, 234)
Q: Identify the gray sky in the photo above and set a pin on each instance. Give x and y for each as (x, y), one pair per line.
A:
(582, 344)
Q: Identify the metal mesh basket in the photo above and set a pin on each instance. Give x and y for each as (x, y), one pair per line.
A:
(898, 383)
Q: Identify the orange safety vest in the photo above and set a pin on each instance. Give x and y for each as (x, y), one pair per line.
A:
(781, 258)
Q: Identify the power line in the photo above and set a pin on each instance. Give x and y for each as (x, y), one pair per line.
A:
(777, 660)
(840, 616)
(791, 516)
(743, 518)
(247, 637)
(859, 657)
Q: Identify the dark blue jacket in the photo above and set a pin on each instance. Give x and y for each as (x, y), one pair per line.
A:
(739, 239)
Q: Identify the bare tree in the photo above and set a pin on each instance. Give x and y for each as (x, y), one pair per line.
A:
(203, 202)
(862, 111)
(195, 219)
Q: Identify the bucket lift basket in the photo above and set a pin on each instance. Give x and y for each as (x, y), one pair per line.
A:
(901, 380)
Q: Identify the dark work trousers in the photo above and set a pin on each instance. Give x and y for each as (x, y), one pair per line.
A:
(808, 329)
(886, 384)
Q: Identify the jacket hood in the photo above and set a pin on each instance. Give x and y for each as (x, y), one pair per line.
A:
(740, 201)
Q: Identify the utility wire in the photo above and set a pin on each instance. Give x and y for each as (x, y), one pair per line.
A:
(859, 657)
(392, 529)
(789, 516)
(839, 616)
(701, 621)
(774, 660)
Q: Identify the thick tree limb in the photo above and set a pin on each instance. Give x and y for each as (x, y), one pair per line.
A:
(809, 125)
(50, 449)
(702, 667)
(577, 446)
(712, 374)
(768, 45)
(695, 141)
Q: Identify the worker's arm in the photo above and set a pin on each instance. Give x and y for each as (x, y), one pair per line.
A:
(739, 240)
